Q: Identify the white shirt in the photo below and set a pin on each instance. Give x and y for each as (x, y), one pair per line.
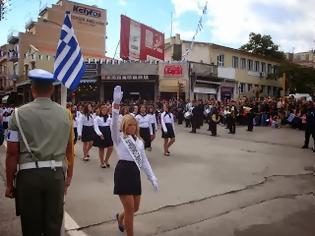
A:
(99, 122)
(84, 121)
(153, 120)
(144, 122)
(167, 118)
(121, 149)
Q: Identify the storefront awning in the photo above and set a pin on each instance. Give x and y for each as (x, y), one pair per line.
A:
(205, 90)
(5, 99)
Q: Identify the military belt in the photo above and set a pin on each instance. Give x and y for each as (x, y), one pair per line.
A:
(41, 164)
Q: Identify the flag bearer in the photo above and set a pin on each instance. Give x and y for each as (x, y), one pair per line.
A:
(40, 141)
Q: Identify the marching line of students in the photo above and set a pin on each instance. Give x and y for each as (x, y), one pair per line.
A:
(93, 128)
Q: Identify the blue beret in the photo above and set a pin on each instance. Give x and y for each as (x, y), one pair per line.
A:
(41, 75)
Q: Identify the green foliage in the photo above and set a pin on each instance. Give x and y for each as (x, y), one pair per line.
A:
(299, 79)
(263, 45)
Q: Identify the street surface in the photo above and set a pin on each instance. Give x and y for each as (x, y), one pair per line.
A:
(251, 183)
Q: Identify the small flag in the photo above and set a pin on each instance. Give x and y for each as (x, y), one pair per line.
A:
(69, 64)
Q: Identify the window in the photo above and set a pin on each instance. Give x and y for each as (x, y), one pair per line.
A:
(48, 57)
(33, 65)
(249, 87)
(33, 56)
(263, 67)
(269, 91)
(40, 57)
(276, 70)
(257, 63)
(242, 87)
(249, 65)
(26, 69)
(220, 60)
(235, 62)
(243, 63)
(269, 69)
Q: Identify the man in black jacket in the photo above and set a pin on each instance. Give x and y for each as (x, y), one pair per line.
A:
(310, 125)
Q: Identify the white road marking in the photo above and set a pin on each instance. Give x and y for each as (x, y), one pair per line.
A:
(68, 221)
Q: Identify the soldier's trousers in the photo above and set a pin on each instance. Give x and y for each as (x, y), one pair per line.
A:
(40, 197)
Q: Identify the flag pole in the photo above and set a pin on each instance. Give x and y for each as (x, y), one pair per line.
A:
(63, 93)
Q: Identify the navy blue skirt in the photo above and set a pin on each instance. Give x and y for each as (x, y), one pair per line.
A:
(107, 142)
(127, 179)
(170, 131)
(88, 134)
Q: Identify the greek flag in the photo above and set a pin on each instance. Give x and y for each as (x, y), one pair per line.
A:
(69, 63)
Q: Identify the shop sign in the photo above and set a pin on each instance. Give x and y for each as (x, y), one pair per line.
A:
(87, 11)
(126, 77)
(173, 70)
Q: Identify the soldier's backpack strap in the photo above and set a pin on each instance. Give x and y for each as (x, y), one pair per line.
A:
(16, 111)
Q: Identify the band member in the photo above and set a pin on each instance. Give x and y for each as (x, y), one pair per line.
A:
(194, 117)
(132, 159)
(135, 110)
(167, 122)
(214, 119)
(188, 113)
(231, 119)
(86, 130)
(103, 139)
(250, 119)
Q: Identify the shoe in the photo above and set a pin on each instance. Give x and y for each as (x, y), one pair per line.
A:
(108, 165)
(120, 227)
(103, 165)
(304, 146)
(192, 132)
(86, 158)
(166, 154)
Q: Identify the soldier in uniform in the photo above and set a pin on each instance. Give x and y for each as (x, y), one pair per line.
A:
(40, 141)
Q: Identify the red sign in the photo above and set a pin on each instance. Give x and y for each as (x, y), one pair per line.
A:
(140, 42)
(173, 70)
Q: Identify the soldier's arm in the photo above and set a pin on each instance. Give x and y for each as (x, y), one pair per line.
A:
(70, 152)
(12, 156)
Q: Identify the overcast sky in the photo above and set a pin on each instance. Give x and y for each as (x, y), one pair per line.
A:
(291, 23)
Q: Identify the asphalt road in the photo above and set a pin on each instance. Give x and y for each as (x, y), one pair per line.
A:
(250, 183)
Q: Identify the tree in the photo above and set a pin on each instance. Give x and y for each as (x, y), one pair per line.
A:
(263, 45)
(299, 79)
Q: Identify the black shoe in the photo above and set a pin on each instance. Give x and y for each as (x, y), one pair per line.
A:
(304, 147)
(193, 132)
(120, 227)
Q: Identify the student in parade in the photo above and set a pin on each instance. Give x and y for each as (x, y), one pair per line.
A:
(167, 122)
(153, 120)
(132, 159)
(86, 130)
(146, 132)
(103, 139)
(135, 110)
(75, 122)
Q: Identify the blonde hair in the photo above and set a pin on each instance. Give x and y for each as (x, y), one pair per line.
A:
(126, 120)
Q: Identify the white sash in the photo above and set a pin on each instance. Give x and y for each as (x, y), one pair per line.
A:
(132, 149)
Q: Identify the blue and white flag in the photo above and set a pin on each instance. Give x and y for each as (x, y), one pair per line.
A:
(69, 64)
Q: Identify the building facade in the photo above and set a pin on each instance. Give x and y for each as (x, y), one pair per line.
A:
(36, 47)
(239, 73)
(306, 59)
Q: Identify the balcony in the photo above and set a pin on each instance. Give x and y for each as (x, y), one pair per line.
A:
(13, 56)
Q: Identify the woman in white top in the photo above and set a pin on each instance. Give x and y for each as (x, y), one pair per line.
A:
(86, 130)
(132, 159)
(167, 123)
(103, 138)
(151, 112)
(75, 118)
(146, 132)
